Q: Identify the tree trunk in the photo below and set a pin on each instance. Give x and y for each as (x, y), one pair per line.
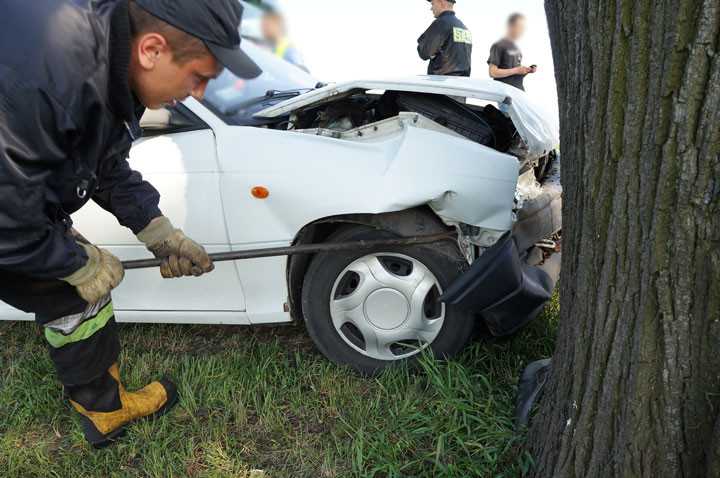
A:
(635, 383)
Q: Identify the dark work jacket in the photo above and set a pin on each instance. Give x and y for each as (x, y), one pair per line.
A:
(67, 121)
(448, 46)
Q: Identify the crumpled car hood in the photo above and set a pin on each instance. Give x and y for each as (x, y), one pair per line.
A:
(532, 121)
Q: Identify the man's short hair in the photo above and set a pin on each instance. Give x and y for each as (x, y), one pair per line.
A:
(515, 17)
(184, 47)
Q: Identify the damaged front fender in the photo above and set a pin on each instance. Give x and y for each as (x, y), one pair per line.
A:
(503, 284)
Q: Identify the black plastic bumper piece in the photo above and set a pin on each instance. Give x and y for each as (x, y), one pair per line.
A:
(530, 390)
(506, 291)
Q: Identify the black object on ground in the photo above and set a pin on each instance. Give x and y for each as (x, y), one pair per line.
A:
(530, 390)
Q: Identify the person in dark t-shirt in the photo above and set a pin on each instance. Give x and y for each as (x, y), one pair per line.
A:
(506, 58)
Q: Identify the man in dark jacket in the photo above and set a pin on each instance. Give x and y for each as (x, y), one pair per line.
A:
(75, 76)
(447, 43)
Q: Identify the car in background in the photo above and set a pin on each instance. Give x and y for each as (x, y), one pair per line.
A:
(360, 160)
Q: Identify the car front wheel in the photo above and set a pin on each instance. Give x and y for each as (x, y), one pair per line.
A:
(374, 308)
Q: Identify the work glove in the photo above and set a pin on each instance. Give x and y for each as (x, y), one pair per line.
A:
(181, 255)
(100, 275)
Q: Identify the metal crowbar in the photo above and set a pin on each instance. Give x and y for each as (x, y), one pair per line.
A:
(305, 249)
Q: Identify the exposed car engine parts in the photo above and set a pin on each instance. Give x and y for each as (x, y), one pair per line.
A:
(540, 216)
(348, 114)
(446, 112)
(484, 125)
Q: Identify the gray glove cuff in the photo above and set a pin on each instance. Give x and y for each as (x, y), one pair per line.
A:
(88, 271)
(156, 232)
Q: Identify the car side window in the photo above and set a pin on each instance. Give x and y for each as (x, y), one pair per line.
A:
(177, 119)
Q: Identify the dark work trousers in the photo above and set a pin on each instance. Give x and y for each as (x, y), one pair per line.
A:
(82, 338)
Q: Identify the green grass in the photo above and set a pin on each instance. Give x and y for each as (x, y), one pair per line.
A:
(262, 402)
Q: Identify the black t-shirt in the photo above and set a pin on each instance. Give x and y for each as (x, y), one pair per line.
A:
(505, 55)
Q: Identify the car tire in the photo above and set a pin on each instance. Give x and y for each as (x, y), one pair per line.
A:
(348, 295)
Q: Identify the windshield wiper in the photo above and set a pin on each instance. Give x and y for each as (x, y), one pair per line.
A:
(287, 93)
(293, 93)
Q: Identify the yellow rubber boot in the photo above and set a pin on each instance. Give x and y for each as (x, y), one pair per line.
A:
(106, 407)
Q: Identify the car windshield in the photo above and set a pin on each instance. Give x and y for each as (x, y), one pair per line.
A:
(236, 99)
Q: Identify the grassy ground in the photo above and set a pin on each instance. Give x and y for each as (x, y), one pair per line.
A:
(262, 402)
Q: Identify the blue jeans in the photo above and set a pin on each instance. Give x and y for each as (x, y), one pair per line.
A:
(503, 107)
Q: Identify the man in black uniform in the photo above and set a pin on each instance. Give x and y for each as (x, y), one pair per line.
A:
(506, 58)
(447, 43)
(75, 76)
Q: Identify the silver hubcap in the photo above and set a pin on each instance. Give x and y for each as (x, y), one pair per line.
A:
(386, 306)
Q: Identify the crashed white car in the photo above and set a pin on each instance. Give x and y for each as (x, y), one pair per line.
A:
(282, 160)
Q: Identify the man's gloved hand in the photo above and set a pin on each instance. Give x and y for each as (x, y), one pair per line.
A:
(181, 255)
(100, 275)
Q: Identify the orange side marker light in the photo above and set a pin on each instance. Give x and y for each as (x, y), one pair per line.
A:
(260, 192)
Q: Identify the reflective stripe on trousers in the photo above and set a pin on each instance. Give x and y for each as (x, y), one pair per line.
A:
(82, 339)
(77, 327)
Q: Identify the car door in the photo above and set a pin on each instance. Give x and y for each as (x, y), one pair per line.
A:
(178, 156)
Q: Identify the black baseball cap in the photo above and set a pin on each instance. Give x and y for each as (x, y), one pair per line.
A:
(216, 22)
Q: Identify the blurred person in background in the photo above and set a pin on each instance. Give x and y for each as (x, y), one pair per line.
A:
(274, 31)
(506, 58)
(447, 43)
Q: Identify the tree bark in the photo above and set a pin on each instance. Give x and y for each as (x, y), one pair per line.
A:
(635, 383)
